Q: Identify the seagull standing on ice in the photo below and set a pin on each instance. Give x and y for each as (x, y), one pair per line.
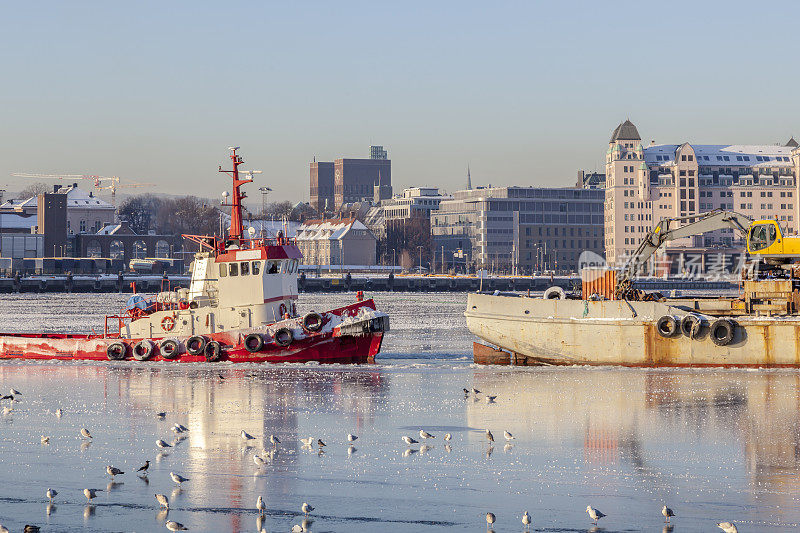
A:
(594, 514)
(176, 526)
(14, 392)
(447, 436)
(59, 412)
(45, 439)
(491, 399)
(274, 440)
(162, 444)
(489, 436)
(667, 512)
(508, 435)
(526, 519)
(320, 443)
(261, 506)
(85, 433)
(113, 471)
(91, 494)
(306, 508)
(177, 478)
(727, 527)
(51, 494)
(351, 437)
(246, 436)
(490, 518)
(409, 440)
(425, 435)
(162, 500)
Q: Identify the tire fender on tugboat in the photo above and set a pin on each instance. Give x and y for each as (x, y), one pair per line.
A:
(283, 337)
(253, 343)
(143, 350)
(212, 351)
(312, 322)
(169, 348)
(116, 351)
(196, 345)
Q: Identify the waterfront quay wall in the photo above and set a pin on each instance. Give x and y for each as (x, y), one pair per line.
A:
(345, 283)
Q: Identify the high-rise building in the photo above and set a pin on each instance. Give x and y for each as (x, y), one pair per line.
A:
(322, 184)
(347, 181)
(647, 183)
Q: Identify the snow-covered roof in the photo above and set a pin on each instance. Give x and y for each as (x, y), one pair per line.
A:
(330, 229)
(733, 155)
(76, 198)
(116, 229)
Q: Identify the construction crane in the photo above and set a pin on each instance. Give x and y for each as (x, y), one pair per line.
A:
(100, 183)
(764, 241)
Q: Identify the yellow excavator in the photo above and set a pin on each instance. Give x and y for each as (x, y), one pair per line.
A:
(765, 241)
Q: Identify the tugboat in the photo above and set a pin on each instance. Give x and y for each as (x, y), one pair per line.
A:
(240, 306)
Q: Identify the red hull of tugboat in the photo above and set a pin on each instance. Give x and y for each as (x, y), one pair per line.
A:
(326, 346)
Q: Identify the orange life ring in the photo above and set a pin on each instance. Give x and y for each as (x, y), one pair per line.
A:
(168, 323)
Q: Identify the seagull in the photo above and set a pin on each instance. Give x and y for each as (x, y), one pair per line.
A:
(177, 429)
(258, 460)
(594, 514)
(667, 512)
(491, 399)
(447, 436)
(162, 444)
(162, 500)
(466, 392)
(51, 494)
(91, 494)
(508, 435)
(183, 428)
(727, 527)
(162, 415)
(59, 412)
(45, 440)
(351, 437)
(425, 435)
(144, 467)
(113, 471)
(490, 518)
(85, 433)
(246, 436)
(176, 526)
(261, 506)
(526, 519)
(409, 440)
(7, 410)
(274, 440)
(475, 391)
(3, 529)
(297, 528)
(320, 443)
(489, 436)
(7, 397)
(31, 529)
(177, 478)
(306, 508)
(14, 392)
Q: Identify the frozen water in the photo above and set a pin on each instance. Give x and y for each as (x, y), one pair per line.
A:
(713, 445)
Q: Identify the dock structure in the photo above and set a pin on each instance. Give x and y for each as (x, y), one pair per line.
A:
(110, 283)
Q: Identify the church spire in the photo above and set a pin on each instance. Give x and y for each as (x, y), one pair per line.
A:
(469, 180)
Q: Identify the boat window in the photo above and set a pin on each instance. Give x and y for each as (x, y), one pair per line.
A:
(234, 269)
(272, 267)
(223, 270)
(256, 267)
(761, 236)
(295, 262)
(284, 267)
(244, 267)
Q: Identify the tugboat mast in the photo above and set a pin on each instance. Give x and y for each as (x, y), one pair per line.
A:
(235, 231)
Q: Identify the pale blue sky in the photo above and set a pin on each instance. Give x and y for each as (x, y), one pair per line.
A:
(525, 93)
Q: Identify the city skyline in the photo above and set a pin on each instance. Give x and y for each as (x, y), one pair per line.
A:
(523, 94)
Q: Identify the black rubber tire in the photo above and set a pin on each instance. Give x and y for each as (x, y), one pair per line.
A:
(667, 326)
(253, 343)
(283, 337)
(690, 325)
(722, 331)
(196, 345)
(554, 293)
(117, 351)
(312, 322)
(213, 351)
(169, 348)
(143, 350)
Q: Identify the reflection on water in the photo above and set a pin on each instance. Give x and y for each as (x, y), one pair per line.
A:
(713, 445)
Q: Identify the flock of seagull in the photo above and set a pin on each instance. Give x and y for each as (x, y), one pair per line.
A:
(268, 455)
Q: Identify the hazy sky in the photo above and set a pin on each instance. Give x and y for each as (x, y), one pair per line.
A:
(525, 93)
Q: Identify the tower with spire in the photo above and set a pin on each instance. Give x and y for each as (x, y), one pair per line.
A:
(469, 180)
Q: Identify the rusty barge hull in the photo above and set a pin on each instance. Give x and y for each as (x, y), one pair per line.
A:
(613, 332)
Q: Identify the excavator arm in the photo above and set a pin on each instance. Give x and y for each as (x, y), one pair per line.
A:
(669, 229)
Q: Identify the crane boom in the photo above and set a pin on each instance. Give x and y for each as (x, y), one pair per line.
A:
(666, 230)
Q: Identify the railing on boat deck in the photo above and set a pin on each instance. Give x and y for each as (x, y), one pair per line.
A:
(121, 323)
